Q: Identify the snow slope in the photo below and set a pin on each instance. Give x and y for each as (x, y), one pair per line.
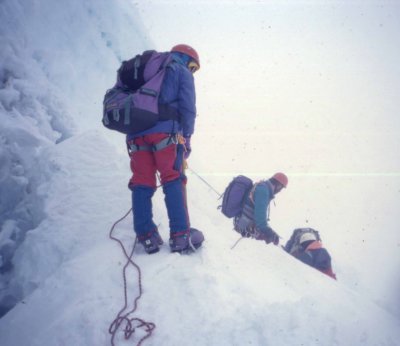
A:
(254, 294)
(63, 184)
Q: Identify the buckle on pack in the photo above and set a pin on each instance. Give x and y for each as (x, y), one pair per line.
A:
(174, 139)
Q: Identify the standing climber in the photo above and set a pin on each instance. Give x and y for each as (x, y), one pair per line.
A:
(164, 148)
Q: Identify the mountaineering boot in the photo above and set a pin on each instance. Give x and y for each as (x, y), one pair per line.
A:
(182, 237)
(151, 242)
(186, 241)
(145, 228)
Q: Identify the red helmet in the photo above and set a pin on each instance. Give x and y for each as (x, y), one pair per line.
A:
(281, 178)
(185, 49)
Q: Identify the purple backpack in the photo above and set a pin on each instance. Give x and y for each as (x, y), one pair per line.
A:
(131, 106)
(235, 195)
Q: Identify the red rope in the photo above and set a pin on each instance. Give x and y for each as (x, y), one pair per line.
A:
(131, 324)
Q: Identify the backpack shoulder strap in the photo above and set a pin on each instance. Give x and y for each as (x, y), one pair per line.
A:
(253, 189)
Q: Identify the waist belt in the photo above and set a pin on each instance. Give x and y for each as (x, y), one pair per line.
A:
(132, 147)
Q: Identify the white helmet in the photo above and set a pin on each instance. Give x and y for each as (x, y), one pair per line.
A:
(307, 236)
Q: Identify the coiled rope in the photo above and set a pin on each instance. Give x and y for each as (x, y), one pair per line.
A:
(131, 323)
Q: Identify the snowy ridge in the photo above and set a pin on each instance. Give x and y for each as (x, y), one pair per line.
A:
(253, 294)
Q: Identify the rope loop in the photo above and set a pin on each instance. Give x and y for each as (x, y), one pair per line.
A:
(131, 324)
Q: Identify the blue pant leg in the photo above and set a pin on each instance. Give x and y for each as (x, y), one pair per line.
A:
(142, 208)
(175, 201)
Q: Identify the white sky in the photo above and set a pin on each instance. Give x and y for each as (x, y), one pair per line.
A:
(324, 74)
(305, 87)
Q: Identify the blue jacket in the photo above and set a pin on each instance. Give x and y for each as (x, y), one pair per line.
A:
(178, 91)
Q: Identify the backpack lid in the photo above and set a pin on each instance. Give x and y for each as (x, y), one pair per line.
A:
(306, 237)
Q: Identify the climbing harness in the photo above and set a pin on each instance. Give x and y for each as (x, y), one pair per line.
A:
(132, 147)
